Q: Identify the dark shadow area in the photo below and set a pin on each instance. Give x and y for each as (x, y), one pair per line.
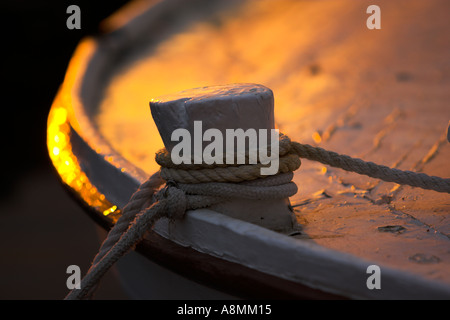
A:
(41, 224)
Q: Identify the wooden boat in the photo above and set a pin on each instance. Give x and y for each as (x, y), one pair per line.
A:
(380, 95)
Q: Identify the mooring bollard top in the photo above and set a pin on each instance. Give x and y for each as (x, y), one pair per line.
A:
(221, 107)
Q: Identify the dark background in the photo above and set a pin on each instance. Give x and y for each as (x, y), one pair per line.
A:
(42, 229)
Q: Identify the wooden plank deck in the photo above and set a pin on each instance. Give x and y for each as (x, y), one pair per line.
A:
(381, 95)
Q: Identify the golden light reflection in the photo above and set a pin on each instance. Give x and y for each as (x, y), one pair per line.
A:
(316, 137)
(66, 163)
(59, 123)
(255, 42)
(110, 210)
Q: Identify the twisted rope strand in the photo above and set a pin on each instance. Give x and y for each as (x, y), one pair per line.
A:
(140, 199)
(143, 221)
(414, 179)
(287, 163)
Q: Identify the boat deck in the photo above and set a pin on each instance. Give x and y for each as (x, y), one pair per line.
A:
(380, 95)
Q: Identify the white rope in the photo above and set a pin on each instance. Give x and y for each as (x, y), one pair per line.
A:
(172, 201)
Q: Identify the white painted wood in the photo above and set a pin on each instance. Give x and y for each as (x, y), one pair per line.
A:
(226, 107)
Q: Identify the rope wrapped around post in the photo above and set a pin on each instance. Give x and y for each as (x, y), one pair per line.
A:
(190, 187)
(290, 152)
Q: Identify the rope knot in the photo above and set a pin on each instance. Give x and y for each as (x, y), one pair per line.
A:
(176, 200)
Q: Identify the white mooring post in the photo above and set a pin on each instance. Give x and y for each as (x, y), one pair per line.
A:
(235, 106)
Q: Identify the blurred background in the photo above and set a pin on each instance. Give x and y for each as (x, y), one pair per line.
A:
(38, 217)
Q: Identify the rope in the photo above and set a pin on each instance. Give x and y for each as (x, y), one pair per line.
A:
(190, 187)
(140, 215)
(289, 161)
(414, 179)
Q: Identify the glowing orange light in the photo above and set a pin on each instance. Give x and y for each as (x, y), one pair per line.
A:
(316, 137)
(55, 151)
(110, 210)
(60, 148)
(60, 116)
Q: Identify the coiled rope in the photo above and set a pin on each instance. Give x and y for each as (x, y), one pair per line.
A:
(191, 187)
